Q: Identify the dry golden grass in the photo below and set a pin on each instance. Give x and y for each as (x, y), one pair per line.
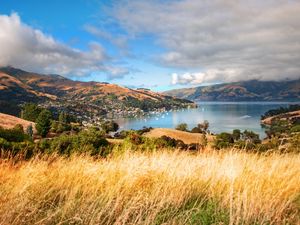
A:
(186, 137)
(8, 122)
(152, 188)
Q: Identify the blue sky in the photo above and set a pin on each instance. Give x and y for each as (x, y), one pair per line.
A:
(153, 44)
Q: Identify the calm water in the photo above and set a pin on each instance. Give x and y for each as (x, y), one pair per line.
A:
(222, 116)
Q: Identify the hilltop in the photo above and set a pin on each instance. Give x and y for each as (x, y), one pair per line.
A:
(82, 99)
(9, 122)
(253, 90)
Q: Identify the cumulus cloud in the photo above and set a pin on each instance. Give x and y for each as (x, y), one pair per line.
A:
(119, 41)
(226, 40)
(116, 72)
(25, 47)
(209, 76)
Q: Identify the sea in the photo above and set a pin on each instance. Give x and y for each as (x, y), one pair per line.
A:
(222, 117)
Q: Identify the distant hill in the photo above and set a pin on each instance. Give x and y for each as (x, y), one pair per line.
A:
(81, 98)
(253, 90)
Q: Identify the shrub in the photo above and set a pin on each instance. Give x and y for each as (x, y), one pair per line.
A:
(144, 130)
(196, 130)
(251, 137)
(15, 134)
(295, 128)
(91, 141)
(109, 126)
(182, 127)
(135, 138)
(223, 140)
(236, 134)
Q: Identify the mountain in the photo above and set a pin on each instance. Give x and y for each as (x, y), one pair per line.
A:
(84, 99)
(253, 90)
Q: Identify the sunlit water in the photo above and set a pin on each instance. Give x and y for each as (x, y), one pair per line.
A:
(222, 116)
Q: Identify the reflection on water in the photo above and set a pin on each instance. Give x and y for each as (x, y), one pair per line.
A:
(222, 116)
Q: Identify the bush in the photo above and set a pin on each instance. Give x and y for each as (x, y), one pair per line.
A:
(223, 140)
(197, 130)
(91, 141)
(109, 126)
(251, 137)
(182, 127)
(15, 134)
(295, 129)
(236, 134)
(144, 130)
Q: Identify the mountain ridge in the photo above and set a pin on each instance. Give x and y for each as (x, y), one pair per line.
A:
(98, 98)
(253, 90)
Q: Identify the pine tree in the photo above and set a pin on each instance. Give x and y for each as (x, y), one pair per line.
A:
(30, 112)
(43, 122)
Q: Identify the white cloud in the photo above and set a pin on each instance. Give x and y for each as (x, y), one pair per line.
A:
(209, 76)
(117, 72)
(119, 41)
(255, 39)
(25, 47)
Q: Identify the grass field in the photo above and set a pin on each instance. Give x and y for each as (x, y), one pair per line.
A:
(163, 187)
(186, 137)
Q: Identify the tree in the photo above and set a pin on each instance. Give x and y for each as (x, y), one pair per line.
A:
(109, 126)
(197, 130)
(203, 126)
(43, 122)
(63, 123)
(30, 112)
(223, 140)
(236, 134)
(29, 131)
(182, 127)
(251, 137)
(63, 117)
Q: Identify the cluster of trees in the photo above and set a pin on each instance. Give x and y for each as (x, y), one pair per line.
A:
(282, 128)
(140, 142)
(90, 141)
(280, 110)
(200, 128)
(42, 117)
(45, 120)
(246, 139)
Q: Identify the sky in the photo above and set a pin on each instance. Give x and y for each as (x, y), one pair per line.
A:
(156, 44)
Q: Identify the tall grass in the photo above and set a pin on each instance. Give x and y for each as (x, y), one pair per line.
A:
(152, 188)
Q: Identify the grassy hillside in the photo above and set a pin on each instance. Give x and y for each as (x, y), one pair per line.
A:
(186, 137)
(253, 90)
(8, 122)
(152, 188)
